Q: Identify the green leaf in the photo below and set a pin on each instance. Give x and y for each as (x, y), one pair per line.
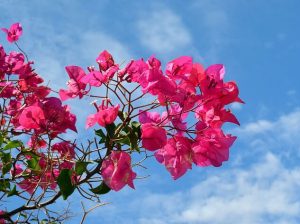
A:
(1, 139)
(6, 162)
(33, 164)
(13, 192)
(4, 185)
(12, 144)
(110, 128)
(101, 189)
(101, 134)
(64, 182)
(136, 126)
(133, 141)
(124, 140)
(80, 167)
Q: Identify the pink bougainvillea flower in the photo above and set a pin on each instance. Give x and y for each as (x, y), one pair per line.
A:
(3, 65)
(57, 116)
(134, 69)
(215, 72)
(215, 117)
(14, 62)
(75, 86)
(177, 116)
(152, 117)
(197, 74)
(153, 137)
(7, 89)
(180, 67)
(105, 115)
(46, 180)
(32, 117)
(2, 221)
(16, 170)
(14, 32)
(153, 81)
(13, 107)
(176, 155)
(109, 73)
(91, 120)
(67, 164)
(28, 185)
(49, 179)
(212, 79)
(116, 170)
(94, 78)
(105, 60)
(212, 147)
(35, 142)
(2, 53)
(229, 93)
(65, 149)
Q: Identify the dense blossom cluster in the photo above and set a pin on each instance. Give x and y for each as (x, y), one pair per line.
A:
(192, 102)
(185, 88)
(29, 109)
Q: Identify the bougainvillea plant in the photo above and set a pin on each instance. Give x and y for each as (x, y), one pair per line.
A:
(176, 115)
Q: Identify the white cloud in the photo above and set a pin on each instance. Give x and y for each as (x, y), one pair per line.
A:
(263, 190)
(265, 193)
(162, 31)
(258, 127)
(286, 129)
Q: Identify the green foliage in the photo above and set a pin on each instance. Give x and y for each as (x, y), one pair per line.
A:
(65, 184)
(12, 144)
(101, 189)
(80, 167)
(4, 185)
(33, 163)
(6, 162)
(13, 192)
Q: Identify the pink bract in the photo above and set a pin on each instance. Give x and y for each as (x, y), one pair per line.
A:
(75, 86)
(212, 147)
(105, 60)
(14, 32)
(180, 67)
(153, 137)
(116, 170)
(176, 155)
(32, 117)
(105, 115)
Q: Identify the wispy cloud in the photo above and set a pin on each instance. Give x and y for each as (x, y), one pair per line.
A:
(163, 31)
(262, 190)
(53, 45)
(280, 135)
(265, 193)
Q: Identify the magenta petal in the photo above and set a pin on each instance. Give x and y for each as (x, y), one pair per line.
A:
(91, 121)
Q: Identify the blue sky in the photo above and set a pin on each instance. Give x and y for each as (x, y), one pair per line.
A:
(258, 42)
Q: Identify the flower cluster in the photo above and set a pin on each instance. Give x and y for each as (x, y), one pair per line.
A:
(27, 109)
(187, 88)
(176, 115)
(188, 93)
